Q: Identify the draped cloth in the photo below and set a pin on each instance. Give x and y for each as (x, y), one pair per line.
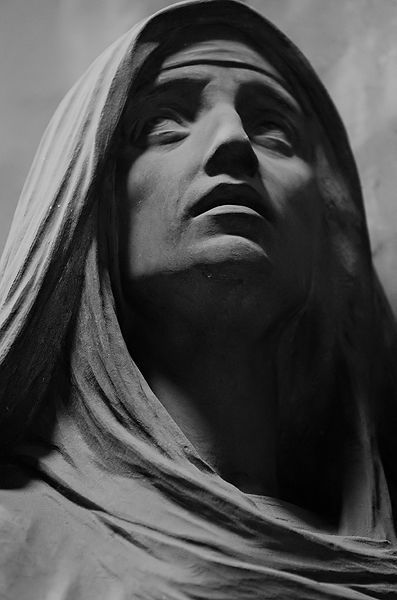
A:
(102, 495)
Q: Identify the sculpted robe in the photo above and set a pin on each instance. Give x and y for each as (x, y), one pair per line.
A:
(102, 495)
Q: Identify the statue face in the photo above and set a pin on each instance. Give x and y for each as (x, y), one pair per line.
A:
(220, 176)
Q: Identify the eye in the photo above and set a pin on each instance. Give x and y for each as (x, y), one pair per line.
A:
(277, 137)
(165, 126)
(163, 121)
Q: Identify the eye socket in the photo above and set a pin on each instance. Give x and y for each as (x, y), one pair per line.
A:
(273, 135)
(164, 126)
(163, 120)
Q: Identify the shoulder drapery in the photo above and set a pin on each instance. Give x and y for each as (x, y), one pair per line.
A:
(102, 496)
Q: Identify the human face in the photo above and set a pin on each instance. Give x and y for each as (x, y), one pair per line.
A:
(219, 176)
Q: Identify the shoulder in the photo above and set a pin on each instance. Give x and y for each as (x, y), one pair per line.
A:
(47, 544)
(51, 547)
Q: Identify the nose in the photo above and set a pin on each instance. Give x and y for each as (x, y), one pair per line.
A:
(231, 151)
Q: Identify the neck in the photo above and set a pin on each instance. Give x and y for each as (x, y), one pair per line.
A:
(217, 383)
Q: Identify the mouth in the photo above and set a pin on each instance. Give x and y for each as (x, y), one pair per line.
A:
(230, 196)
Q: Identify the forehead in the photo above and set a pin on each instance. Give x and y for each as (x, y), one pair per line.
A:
(224, 63)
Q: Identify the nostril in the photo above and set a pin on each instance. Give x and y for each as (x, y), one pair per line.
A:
(235, 158)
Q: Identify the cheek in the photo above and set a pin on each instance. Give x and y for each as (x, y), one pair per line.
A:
(149, 213)
(159, 176)
(142, 181)
(140, 218)
(292, 187)
(294, 191)
(149, 196)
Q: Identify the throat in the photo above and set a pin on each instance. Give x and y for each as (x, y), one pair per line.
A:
(222, 397)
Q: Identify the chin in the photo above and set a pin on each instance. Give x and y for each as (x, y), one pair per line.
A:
(233, 259)
(232, 251)
(247, 270)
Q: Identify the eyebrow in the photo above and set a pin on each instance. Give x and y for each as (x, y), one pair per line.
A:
(221, 62)
(193, 85)
(279, 93)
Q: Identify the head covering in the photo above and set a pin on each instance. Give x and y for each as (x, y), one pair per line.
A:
(102, 494)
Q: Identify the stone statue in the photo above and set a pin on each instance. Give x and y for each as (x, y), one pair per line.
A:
(198, 392)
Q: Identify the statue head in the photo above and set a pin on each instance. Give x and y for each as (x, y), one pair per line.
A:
(217, 179)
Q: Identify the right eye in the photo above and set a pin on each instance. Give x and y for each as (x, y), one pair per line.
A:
(165, 127)
(163, 120)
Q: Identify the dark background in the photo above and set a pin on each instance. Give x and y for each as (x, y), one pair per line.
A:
(45, 45)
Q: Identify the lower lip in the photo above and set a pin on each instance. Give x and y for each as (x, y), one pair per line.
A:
(232, 209)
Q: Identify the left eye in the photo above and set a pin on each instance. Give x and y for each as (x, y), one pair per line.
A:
(274, 137)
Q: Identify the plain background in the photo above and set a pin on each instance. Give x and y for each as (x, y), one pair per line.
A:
(45, 45)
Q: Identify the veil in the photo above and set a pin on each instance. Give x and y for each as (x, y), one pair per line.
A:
(83, 434)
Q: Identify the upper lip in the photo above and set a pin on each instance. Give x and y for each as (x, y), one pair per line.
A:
(237, 194)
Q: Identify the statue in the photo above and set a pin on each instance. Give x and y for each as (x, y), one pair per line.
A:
(198, 397)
